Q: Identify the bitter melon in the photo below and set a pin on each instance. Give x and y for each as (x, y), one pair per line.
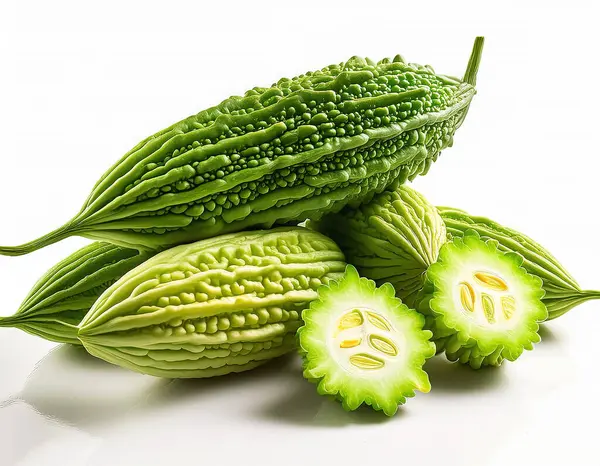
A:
(562, 290)
(362, 345)
(394, 238)
(62, 297)
(480, 303)
(221, 305)
(301, 148)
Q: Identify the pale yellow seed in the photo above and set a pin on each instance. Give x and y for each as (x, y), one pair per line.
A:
(509, 306)
(383, 344)
(467, 297)
(490, 281)
(350, 320)
(350, 343)
(366, 361)
(379, 321)
(488, 308)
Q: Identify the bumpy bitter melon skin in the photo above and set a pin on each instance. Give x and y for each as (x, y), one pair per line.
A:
(217, 306)
(302, 147)
(563, 293)
(393, 238)
(62, 296)
(361, 344)
(481, 305)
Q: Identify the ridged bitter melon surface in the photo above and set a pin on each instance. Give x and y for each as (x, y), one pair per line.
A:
(394, 238)
(213, 307)
(300, 148)
(62, 297)
(563, 293)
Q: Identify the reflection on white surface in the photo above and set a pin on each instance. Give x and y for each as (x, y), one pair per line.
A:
(77, 389)
(75, 409)
(31, 440)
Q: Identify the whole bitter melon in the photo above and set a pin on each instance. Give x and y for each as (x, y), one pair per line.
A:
(562, 290)
(301, 148)
(221, 305)
(62, 297)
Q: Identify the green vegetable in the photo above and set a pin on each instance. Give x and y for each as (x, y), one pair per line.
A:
(481, 305)
(362, 345)
(562, 291)
(222, 305)
(301, 148)
(60, 299)
(394, 238)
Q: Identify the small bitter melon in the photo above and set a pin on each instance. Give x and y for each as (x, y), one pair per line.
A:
(361, 344)
(394, 238)
(480, 303)
(217, 306)
(563, 292)
(62, 296)
(301, 148)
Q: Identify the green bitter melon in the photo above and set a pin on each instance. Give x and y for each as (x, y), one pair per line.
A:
(562, 290)
(394, 238)
(301, 148)
(217, 306)
(62, 297)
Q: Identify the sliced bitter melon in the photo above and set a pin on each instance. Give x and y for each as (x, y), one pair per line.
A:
(481, 305)
(363, 345)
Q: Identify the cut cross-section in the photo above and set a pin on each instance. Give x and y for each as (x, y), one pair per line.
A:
(481, 305)
(362, 345)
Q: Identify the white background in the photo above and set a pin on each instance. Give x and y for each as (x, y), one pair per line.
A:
(80, 84)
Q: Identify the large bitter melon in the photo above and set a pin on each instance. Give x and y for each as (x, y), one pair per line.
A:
(221, 305)
(300, 148)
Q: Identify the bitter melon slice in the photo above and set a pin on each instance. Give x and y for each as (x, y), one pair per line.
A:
(363, 345)
(482, 306)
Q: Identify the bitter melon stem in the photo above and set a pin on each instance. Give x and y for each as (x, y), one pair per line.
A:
(591, 294)
(57, 235)
(7, 322)
(473, 65)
